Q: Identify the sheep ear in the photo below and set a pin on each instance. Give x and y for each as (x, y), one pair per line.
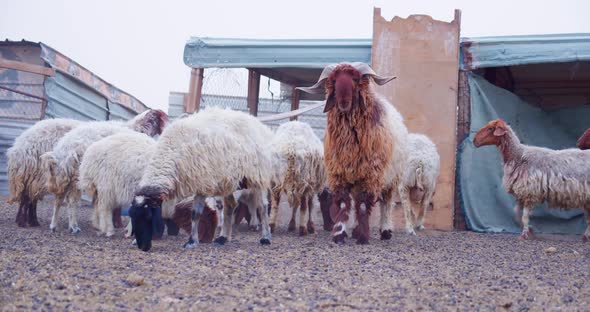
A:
(499, 131)
(330, 102)
(362, 102)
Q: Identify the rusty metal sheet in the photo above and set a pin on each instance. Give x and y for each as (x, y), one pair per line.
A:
(69, 67)
(424, 54)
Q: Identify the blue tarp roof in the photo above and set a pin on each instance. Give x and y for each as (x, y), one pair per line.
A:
(266, 53)
(522, 50)
(476, 53)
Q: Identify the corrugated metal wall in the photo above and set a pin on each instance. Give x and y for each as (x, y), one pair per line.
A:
(67, 98)
(316, 118)
(9, 130)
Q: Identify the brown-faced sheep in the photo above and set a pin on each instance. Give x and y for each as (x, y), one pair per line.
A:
(536, 174)
(364, 148)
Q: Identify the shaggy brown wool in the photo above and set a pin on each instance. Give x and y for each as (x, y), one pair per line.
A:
(584, 140)
(207, 221)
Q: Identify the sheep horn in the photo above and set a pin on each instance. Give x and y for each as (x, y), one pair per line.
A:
(365, 69)
(320, 86)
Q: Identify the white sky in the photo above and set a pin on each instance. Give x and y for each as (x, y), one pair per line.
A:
(138, 45)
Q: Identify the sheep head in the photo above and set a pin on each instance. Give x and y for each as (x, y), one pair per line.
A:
(346, 85)
(491, 134)
(150, 122)
(146, 215)
(584, 140)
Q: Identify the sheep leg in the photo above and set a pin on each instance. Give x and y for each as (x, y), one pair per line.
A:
(325, 199)
(32, 217)
(197, 211)
(310, 225)
(266, 233)
(526, 232)
(274, 208)
(73, 200)
(404, 196)
(302, 216)
(107, 216)
(254, 221)
(363, 203)
(229, 205)
(425, 205)
(586, 236)
(23, 207)
(339, 211)
(59, 199)
(294, 202)
(419, 221)
(117, 221)
(386, 225)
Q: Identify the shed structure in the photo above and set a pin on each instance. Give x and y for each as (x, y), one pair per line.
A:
(540, 85)
(38, 82)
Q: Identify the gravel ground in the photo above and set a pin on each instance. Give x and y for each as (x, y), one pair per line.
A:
(41, 270)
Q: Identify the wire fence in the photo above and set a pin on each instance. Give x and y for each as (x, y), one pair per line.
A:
(225, 87)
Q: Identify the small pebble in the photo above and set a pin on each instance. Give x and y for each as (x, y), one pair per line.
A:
(551, 250)
(134, 280)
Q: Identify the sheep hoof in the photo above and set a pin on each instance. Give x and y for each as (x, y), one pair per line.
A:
(272, 227)
(410, 231)
(254, 228)
(75, 230)
(190, 245)
(264, 241)
(585, 238)
(221, 240)
(339, 239)
(302, 231)
(420, 227)
(134, 242)
(386, 234)
(110, 234)
(525, 235)
(53, 228)
(310, 228)
(291, 226)
(362, 241)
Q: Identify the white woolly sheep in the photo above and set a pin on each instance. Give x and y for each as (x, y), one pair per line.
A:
(365, 147)
(419, 178)
(536, 174)
(26, 179)
(110, 172)
(63, 162)
(298, 171)
(212, 153)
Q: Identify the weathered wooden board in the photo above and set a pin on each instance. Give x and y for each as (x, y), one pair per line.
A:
(424, 54)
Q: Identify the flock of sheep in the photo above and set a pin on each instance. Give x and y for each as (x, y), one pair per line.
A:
(180, 174)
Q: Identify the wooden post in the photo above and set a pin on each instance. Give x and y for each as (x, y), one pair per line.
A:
(295, 95)
(194, 91)
(253, 91)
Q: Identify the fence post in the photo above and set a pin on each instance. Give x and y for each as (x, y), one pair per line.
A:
(195, 90)
(295, 95)
(253, 91)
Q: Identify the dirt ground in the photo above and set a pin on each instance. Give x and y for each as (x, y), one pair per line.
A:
(40, 270)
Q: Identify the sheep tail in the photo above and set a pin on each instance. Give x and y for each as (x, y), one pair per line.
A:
(16, 183)
(291, 173)
(420, 176)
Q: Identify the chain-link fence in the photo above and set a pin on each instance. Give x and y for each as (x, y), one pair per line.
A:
(228, 87)
(21, 100)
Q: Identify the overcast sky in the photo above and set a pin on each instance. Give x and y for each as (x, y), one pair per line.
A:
(138, 45)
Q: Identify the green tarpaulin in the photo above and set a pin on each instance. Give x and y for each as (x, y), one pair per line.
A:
(487, 206)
